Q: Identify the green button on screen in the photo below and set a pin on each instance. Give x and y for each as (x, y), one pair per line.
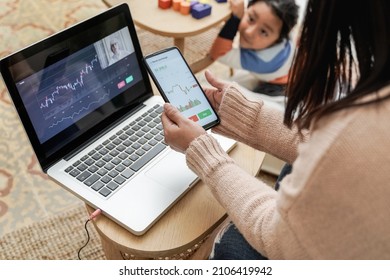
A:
(204, 114)
(129, 79)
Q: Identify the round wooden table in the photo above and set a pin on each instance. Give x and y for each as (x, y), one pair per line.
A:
(170, 23)
(182, 229)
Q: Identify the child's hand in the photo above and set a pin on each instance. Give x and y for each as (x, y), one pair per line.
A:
(237, 7)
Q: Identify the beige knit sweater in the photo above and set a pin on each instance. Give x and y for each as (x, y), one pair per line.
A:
(336, 202)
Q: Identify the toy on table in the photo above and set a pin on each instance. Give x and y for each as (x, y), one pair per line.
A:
(176, 4)
(164, 4)
(198, 9)
(185, 7)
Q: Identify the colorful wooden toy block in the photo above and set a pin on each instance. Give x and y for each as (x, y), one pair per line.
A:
(197, 8)
(164, 4)
(200, 11)
(185, 8)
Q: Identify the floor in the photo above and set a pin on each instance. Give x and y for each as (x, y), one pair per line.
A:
(26, 194)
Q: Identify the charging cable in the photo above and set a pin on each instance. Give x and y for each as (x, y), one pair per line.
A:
(96, 213)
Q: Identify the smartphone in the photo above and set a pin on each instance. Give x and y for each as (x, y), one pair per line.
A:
(179, 86)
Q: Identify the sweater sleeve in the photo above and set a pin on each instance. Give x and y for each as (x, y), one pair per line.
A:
(250, 203)
(257, 125)
(226, 180)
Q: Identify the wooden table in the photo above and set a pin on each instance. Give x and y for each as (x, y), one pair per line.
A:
(170, 23)
(184, 226)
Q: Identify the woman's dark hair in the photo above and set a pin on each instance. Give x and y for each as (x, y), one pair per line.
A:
(343, 55)
(286, 10)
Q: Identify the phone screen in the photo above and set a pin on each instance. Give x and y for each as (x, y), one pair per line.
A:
(178, 86)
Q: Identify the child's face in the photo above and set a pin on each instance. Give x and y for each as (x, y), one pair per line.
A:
(259, 27)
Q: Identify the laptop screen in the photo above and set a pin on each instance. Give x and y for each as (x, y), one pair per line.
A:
(73, 84)
(66, 91)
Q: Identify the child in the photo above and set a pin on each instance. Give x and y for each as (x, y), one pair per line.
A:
(265, 49)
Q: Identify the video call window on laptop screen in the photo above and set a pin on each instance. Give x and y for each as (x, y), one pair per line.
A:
(76, 83)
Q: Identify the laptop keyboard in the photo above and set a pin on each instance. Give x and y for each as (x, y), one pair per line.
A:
(117, 159)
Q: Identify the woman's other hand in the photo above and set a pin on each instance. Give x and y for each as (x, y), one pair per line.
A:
(215, 94)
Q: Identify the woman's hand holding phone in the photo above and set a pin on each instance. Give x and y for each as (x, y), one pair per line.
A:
(191, 110)
(179, 131)
(179, 86)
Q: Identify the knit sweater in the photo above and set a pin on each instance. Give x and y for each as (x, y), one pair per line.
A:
(336, 202)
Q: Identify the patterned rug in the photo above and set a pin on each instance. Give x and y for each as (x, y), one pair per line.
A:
(26, 194)
(59, 237)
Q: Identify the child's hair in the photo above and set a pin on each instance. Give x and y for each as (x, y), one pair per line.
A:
(286, 10)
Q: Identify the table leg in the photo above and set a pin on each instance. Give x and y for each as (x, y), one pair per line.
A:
(201, 64)
(205, 249)
(179, 42)
(110, 251)
(113, 253)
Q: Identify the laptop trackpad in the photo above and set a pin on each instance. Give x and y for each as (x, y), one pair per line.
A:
(172, 172)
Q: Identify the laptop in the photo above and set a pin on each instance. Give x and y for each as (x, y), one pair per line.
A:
(94, 123)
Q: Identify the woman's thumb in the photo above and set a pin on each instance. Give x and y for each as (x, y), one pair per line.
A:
(172, 113)
(213, 80)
